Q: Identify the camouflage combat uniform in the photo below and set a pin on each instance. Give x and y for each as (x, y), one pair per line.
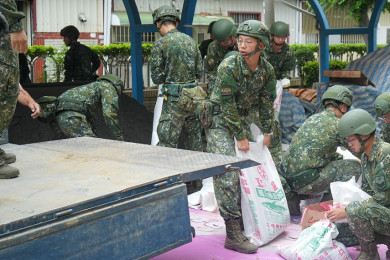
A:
(215, 55)
(244, 97)
(372, 216)
(88, 97)
(9, 69)
(176, 63)
(385, 132)
(311, 163)
(80, 63)
(283, 62)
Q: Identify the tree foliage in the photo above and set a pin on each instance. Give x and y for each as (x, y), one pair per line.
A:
(356, 8)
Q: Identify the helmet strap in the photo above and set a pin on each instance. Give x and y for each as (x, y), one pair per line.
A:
(363, 142)
(253, 52)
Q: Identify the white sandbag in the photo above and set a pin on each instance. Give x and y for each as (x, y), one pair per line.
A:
(205, 198)
(344, 192)
(278, 99)
(316, 242)
(263, 202)
(156, 116)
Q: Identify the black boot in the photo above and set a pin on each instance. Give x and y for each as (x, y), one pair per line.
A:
(235, 240)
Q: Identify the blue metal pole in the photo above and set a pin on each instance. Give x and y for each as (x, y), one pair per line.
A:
(187, 17)
(324, 38)
(135, 51)
(373, 25)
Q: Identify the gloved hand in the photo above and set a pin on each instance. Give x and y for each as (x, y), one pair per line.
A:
(3, 25)
(285, 83)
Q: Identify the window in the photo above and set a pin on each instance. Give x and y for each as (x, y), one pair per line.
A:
(121, 34)
(239, 17)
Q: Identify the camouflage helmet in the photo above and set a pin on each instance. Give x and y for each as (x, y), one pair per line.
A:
(255, 29)
(114, 80)
(279, 29)
(356, 122)
(382, 104)
(223, 29)
(165, 13)
(230, 53)
(71, 32)
(48, 107)
(338, 93)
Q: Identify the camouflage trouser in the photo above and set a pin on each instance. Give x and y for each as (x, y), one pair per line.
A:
(346, 236)
(9, 90)
(172, 121)
(226, 185)
(275, 147)
(367, 217)
(339, 170)
(74, 124)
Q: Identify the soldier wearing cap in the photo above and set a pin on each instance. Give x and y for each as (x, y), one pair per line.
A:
(243, 94)
(71, 113)
(311, 162)
(80, 61)
(175, 62)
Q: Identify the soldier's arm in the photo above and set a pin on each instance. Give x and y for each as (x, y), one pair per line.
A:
(267, 97)
(226, 87)
(157, 65)
(95, 61)
(288, 65)
(25, 99)
(199, 64)
(110, 108)
(382, 181)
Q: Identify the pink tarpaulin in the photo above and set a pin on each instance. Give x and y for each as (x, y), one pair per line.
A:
(208, 243)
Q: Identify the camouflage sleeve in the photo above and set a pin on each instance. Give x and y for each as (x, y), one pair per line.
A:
(211, 60)
(266, 106)
(110, 107)
(226, 87)
(199, 65)
(157, 64)
(13, 17)
(382, 180)
(288, 65)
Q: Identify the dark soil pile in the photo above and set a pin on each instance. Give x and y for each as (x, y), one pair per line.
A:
(136, 122)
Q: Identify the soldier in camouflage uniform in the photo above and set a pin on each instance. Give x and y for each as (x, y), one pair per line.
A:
(243, 94)
(311, 163)
(177, 64)
(72, 111)
(369, 220)
(13, 40)
(80, 61)
(382, 108)
(282, 58)
(224, 32)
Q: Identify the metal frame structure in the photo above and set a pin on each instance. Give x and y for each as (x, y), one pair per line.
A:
(185, 26)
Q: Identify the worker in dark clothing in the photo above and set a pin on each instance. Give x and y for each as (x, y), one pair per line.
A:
(80, 61)
(205, 44)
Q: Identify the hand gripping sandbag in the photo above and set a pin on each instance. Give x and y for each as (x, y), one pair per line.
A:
(316, 242)
(263, 202)
(344, 192)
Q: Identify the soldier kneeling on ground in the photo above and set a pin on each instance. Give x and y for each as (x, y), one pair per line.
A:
(70, 114)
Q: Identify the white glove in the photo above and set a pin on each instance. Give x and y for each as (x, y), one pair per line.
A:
(285, 83)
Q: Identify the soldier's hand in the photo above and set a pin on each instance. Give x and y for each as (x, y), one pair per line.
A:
(19, 41)
(35, 109)
(267, 140)
(243, 145)
(336, 214)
